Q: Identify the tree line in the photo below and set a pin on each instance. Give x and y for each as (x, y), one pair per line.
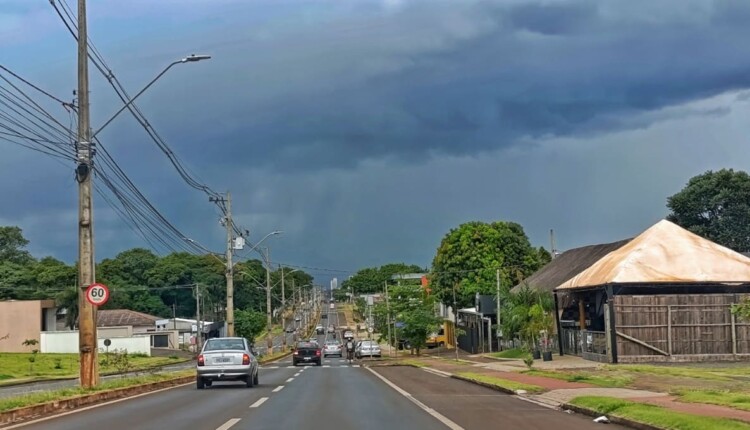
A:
(142, 281)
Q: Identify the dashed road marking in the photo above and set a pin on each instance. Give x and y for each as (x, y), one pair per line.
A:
(355, 365)
(259, 402)
(229, 424)
(298, 373)
(277, 389)
(270, 367)
(325, 365)
(290, 380)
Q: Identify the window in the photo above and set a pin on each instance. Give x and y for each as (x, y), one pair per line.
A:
(219, 344)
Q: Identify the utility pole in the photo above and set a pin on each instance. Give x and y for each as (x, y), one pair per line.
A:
(497, 312)
(229, 271)
(89, 372)
(269, 337)
(455, 325)
(198, 318)
(388, 318)
(283, 309)
(552, 243)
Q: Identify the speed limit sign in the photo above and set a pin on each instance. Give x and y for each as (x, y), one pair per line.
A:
(97, 294)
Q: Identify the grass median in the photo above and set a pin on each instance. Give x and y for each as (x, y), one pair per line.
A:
(601, 379)
(514, 353)
(655, 415)
(715, 397)
(27, 367)
(502, 383)
(41, 397)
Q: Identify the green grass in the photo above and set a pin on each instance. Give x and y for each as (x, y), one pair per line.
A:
(502, 383)
(717, 397)
(17, 368)
(608, 381)
(415, 363)
(9, 403)
(510, 353)
(681, 371)
(656, 415)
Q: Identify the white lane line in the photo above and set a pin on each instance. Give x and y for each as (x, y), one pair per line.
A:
(355, 365)
(259, 402)
(290, 380)
(229, 424)
(325, 365)
(437, 372)
(437, 415)
(277, 389)
(297, 374)
(269, 367)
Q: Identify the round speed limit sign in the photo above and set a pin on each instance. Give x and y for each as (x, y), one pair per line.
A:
(97, 294)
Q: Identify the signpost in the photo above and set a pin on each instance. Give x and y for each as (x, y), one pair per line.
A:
(97, 294)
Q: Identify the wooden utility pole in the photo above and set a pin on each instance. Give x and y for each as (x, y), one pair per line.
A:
(229, 270)
(269, 323)
(87, 344)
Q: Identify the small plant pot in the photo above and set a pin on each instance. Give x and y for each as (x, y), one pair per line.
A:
(536, 354)
(547, 356)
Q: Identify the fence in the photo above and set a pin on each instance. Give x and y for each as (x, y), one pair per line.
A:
(591, 345)
(67, 342)
(680, 328)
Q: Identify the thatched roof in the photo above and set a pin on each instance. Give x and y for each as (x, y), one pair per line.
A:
(568, 264)
(665, 253)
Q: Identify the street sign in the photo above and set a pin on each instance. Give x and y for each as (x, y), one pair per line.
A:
(370, 330)
(107, 342)
(97, 294)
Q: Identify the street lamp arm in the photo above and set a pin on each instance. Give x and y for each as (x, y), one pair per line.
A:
(255, 247)
(190, 59)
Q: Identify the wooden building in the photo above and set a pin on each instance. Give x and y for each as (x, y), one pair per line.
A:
(666, 295)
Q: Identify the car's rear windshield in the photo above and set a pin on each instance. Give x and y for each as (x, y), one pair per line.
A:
(305, 345)
(219, 344)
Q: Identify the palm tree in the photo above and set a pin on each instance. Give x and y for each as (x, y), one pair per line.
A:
(68, 300)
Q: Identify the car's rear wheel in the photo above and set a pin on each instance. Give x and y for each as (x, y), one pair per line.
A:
(255, 378)
(209, 383)
(199, 383)
(249, 381)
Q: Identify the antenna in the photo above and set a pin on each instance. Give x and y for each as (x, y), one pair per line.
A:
(553, 251)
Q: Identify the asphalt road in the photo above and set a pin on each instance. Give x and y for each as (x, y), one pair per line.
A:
(334, 395)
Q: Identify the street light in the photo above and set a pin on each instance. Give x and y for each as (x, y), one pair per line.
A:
(190, 59)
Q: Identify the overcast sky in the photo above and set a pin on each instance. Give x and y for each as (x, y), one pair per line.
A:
(367, 129)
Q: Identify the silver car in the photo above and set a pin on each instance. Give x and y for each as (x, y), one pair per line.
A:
(226, 359)
(332, 347)
(367, 348)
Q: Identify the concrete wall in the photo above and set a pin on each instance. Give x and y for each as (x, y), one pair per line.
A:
(21, 320)
(67, 342)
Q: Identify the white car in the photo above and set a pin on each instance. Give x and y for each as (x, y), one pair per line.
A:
(332, 347)
(367, 348)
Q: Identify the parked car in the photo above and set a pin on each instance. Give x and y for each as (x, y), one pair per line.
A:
(306, 352)
(226, 359)
(367, 348)
(332, 347)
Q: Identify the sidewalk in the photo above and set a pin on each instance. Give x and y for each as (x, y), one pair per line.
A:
(558, 392)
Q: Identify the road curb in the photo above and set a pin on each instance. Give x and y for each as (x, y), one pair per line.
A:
(27, 413)
(613, 419)
(275, 359)
(484, 384)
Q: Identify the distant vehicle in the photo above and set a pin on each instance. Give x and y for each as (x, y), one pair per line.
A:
(332, 347)
(348, 334)
(226, 359)
(319, 329)
(324, 316)
(331, 329)
(314, 340)
(306, 352)
(437, 339)
(290, 329)
(367, 348)
(333, 305)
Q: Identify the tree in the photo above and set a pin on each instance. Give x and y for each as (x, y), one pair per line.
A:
(716, 206)
(468, 257)
(415, 311)
(525, 313)
(12, 243)
(249, 324)
(372, 279)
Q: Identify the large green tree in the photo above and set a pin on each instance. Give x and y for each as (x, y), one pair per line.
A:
(372, 279)
(715, 205)
(12, 244)
(469, 256)
(249, 324)
(414, 311)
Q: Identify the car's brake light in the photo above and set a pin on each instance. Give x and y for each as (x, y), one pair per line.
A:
(245, 359)
(201, 360)
(317, 352)
(296, 352)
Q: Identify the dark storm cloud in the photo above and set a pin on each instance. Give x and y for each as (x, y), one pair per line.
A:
(470, 77)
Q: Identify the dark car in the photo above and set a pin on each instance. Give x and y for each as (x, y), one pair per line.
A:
(306, 352)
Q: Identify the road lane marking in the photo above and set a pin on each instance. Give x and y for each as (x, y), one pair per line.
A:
(437, 372)
(435, 414)
(290, 380)
(277, 389)
(297, 374)
(229, 424)
(259, 402)
(355, 365)
(325, 365)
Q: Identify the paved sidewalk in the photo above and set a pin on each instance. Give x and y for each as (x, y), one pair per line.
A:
(557, 392)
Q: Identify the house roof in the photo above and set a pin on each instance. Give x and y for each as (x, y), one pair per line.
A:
(567, 265)
(123, 317)
(664, 253)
